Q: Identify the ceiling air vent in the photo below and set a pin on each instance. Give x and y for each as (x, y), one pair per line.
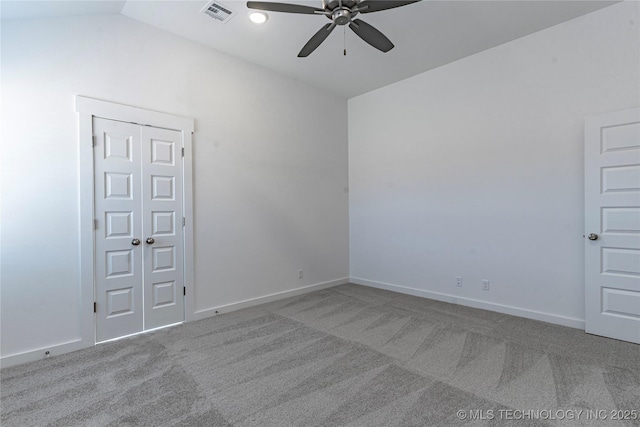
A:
(218, 11)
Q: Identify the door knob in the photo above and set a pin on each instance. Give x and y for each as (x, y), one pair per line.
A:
(150, 241)
(592, 236)
(135, 242)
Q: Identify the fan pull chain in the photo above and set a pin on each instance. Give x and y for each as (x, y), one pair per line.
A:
(344, 34)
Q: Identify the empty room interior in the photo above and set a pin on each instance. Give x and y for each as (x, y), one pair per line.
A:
(320, 213)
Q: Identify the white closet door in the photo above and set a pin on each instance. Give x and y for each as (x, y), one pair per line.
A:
(118, 231)
(139, 233)
(162, 227)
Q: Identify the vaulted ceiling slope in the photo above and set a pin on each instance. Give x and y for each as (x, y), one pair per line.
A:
(426, 34)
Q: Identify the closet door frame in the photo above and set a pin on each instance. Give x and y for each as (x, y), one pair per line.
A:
(87, 109)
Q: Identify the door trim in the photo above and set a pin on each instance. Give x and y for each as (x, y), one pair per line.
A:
(87, 109)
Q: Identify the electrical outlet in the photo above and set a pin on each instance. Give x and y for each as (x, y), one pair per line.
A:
(459, 281)
(300, 274)
(485, 285)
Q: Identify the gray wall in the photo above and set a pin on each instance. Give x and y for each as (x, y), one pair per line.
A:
(269, 183)
(475, 169)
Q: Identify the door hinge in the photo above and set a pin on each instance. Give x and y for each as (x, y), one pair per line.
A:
(184, 221)
(182, 151)
(95, 224)
(95, 307)
(94, 141)
(184, 290)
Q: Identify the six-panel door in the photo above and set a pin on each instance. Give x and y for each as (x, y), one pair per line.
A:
(139, 234)
(612, 220)
(162, 224)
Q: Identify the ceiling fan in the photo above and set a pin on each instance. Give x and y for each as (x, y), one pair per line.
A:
(340, 12)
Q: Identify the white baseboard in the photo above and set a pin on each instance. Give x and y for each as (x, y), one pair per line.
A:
(213, 311)
(39, 353)
(506, 309)
(57, 349)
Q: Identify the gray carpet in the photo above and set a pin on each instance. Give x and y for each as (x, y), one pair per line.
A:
(345, 356)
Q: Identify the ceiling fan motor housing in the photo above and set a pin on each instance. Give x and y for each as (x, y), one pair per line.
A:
(342, 16)
(334, 4)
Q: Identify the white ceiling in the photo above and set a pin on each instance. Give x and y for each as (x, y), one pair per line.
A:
(49, 9)
(427, 34)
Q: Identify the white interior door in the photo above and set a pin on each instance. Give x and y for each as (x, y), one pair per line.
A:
(138, 233)
(118, 214)
(162, 227)
(612, 220)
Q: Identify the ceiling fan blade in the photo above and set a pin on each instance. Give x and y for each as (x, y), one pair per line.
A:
(368, 6)
(372, 36)
(283, 7)
(316, 40)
